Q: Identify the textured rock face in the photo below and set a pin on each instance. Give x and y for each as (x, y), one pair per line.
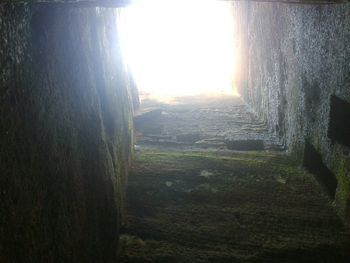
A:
(81, 3)
(66, 134)
(298, 60)
(117, 3)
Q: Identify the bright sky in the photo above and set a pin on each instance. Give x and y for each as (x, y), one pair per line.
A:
(179, 47)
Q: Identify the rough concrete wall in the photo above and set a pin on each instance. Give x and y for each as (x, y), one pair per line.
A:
(298, 57)
(66, 134)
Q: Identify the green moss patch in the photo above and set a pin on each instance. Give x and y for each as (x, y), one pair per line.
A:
(252, 207)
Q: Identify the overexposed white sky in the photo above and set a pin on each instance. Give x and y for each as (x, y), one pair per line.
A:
(179, 47)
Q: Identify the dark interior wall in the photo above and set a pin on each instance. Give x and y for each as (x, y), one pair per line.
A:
(66, 134)
(298, 60)
(77, 3)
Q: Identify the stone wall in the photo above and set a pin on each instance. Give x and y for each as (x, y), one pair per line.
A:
(66, 134)
(298, 60)
(76, 3)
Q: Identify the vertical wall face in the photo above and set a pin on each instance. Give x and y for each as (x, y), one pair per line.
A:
(65, 142)
(298, 67)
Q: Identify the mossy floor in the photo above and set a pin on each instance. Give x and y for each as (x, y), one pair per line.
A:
(210, 206)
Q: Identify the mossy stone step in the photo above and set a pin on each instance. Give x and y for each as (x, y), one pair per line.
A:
(209, 206)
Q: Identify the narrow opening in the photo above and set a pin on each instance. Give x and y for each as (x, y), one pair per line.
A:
(314, 164)
(339, 121)
(180, 48)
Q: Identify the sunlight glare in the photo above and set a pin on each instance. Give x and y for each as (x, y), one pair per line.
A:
(180, 48)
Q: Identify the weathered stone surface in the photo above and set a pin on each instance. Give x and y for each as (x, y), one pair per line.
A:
(211, 206)
(119, 3)
(205, 122)
(297, 59)
(188, 137)
(148, 122)
(65, 134)
(246, 145)
(78, 3)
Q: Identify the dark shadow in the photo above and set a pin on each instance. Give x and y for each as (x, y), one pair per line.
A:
(313, 163)
(246, 145)
(339, 121)
(40, 24)
(149, 122)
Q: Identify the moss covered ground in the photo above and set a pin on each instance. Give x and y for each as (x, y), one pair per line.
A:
(211, 206)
